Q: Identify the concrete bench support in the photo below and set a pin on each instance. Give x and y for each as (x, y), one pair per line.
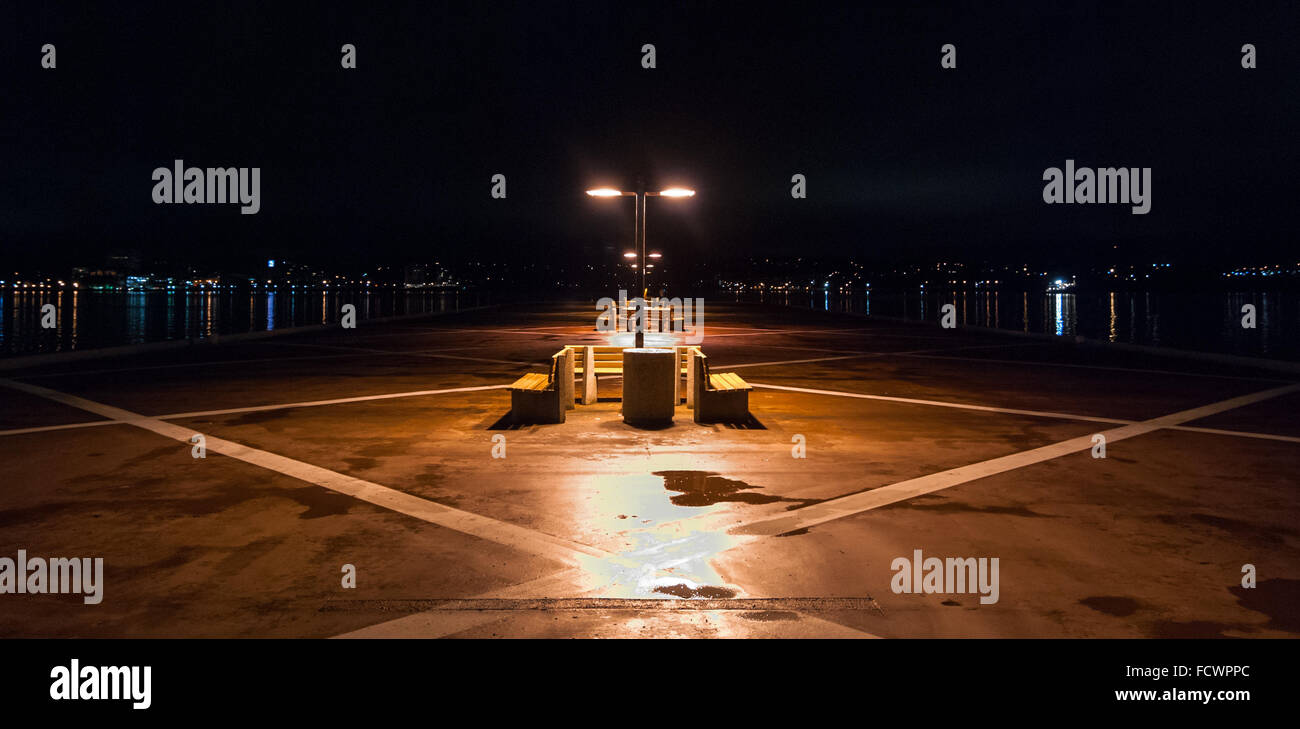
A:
(588, 375)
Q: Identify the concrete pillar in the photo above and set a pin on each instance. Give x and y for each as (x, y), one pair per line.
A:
(677, 375)
(588, 376)
(648, 385)
(690, 376)
(565, 374)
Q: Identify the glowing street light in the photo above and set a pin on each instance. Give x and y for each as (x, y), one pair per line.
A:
(639, 232)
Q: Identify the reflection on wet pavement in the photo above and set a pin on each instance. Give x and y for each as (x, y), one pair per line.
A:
(661, 552)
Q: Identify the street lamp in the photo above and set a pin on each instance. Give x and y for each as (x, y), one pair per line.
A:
(639, 232)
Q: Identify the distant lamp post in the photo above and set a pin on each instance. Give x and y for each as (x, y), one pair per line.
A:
(639, 233)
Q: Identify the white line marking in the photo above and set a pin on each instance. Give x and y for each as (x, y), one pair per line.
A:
(1238, 433)
(67, 426)
(407, 354)
(796, 361)
(856, 355)
(857, 332)
(865, 501)
(78, 373)
(526, 540)
(336, 401)
(939, 403)
(259, 408)
(1094, 367)
(910, 352)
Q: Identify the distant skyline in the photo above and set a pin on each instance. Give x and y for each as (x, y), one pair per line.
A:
(392, 161)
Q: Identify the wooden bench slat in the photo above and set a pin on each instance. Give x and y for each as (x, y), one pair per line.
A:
(531, 381)
(728, 381)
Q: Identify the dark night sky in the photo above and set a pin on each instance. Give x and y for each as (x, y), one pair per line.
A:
(391, 162)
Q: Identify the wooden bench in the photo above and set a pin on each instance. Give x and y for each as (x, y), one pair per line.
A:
(719, 397)
(606, 360)
(543, 398)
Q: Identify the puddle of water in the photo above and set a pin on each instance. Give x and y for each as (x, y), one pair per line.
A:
(1120, 607)
(687, 590)
(706, 488)
(1277, 598)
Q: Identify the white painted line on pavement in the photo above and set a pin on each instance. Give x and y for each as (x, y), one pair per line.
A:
(399, 353)
(1093, 367)
(210, 363)
(940, 403)
(67, 426)
(259, 408)
(335, 401)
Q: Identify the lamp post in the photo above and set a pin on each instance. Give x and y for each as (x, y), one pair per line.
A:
(638, 235)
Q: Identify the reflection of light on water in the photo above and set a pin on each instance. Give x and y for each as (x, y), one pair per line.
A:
(657, 545)
(1114, 335)
(657, 560)
(135, 322)
(1063, 313)
(209, 301)
(1262, 326)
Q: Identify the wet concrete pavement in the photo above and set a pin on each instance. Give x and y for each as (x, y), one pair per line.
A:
(374, 448)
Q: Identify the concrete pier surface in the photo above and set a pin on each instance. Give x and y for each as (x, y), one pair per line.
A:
(388, 452)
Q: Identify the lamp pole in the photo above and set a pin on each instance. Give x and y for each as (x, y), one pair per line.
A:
(640, 227)
(638, 234)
